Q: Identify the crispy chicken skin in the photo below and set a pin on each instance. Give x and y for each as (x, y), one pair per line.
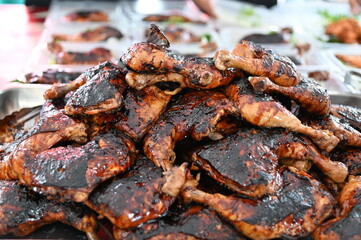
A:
(193, 222)
(195, 115)
(106, 80)
(52, 128)
(264, 111)
(308, 94)
(72, 173)
(136, 197)
(286, 213)
(345, 225)
(140, 110)
(253, 155)
(151, 62)
(22, 211)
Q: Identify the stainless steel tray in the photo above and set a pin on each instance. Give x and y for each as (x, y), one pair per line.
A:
(349, 99)
(24, 96)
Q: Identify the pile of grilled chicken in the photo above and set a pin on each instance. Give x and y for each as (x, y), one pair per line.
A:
(159, 146)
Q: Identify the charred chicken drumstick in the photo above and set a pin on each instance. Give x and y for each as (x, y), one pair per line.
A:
(151, 63)
(308, 94)
(258, 61)
(262, 110)
(295, 210)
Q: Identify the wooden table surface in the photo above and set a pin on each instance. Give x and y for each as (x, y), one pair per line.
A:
(20, 31)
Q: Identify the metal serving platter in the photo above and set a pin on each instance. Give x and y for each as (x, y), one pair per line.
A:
(24, 96)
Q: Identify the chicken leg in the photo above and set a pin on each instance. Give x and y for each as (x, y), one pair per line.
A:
(262, 110)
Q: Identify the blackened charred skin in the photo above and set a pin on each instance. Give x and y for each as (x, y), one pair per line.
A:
(140, 110)
(350, 157)
(191, 221)
(51, 76)
(294, 211)
(23, 211)
(101, 92)
(134, 198)
(344, 225)
(349, 114)
(195, 115)
(251, 165)
(73, 172)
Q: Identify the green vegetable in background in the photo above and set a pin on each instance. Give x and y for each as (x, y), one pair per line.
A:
(330, 18)
(206, 38)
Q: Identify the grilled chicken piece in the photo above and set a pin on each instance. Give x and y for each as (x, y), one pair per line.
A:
(72, 173)
(23, 211)
(87, 16)
(178, 34)
(92, 57)
(106, 79)
(348, 114)
(351, 60)
(137, 196)
(295, 210)
(350, 157)
(17, 123)
(261, 62)
(193, 222)
(308, 94)
(148, 60)
(140, 110)
(52, 128)
(98, 34)
(344, 226)
(348, 135)
(252, 159)
(195, 115)
(262, 110)
(51, 76)
(346, 30)
(169, 18)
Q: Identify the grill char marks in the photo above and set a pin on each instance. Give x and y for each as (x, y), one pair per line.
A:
(134, 198)
(23, 211)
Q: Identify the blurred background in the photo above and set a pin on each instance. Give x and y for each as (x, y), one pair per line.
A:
(294, 28)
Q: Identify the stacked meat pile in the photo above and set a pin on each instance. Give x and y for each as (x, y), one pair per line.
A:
(166, 147)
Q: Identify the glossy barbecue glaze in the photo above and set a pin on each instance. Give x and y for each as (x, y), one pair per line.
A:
(295, 210)
(133, 198)
(194, 222)
(195, 115)
(23, 211)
